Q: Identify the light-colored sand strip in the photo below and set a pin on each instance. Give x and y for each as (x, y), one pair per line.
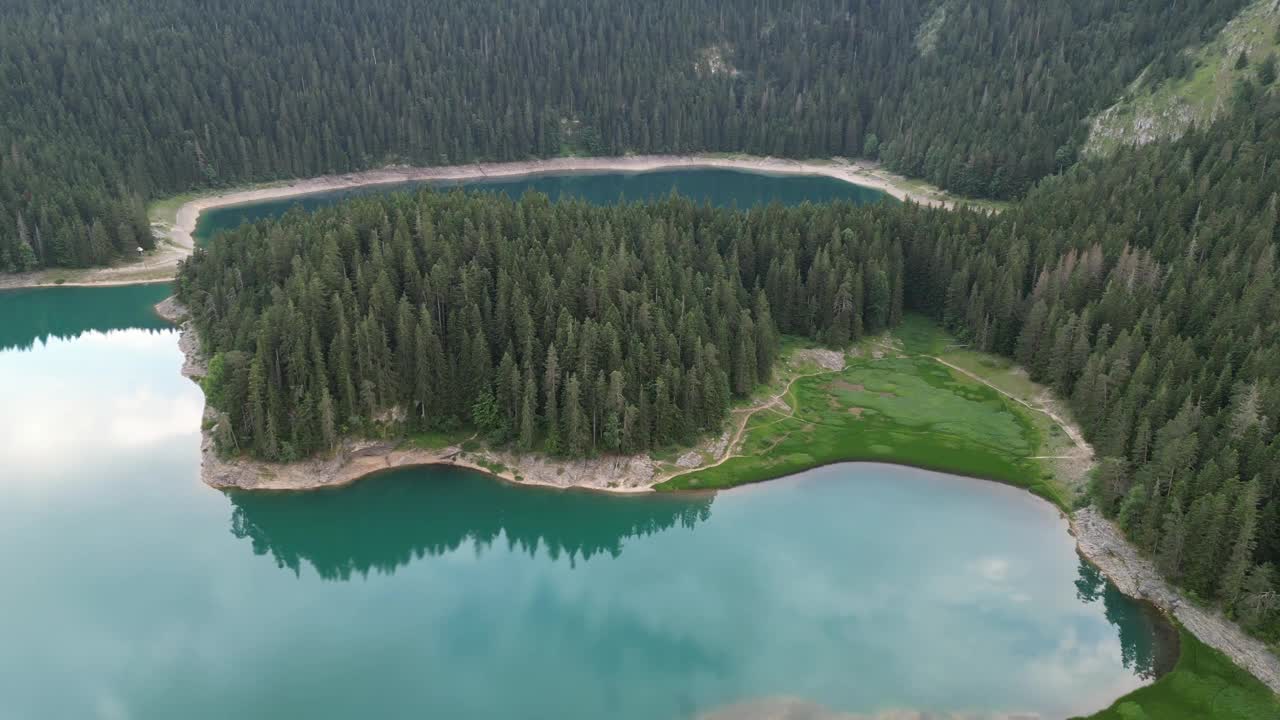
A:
(176, 240)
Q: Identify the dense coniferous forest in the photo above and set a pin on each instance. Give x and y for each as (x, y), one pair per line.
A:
(1144, 289)
(1141, 288)
(106, 105)
(565, 327)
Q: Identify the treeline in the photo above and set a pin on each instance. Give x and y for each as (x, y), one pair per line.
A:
(1144, 289)
(565, 327)
(106, 104)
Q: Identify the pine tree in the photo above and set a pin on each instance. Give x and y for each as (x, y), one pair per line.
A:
(1207, 525)
(1259, 599)
(744, 357)
(1172, 542)
(766, 338)
(328, 422)
(1110, 484)
(1244, 526)
(551, 409)
(575, 423)
(528, 411)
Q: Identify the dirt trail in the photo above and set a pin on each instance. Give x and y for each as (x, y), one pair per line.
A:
(747, 414)
(1071, 431)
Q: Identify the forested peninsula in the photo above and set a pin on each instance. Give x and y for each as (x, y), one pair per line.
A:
(565, 327)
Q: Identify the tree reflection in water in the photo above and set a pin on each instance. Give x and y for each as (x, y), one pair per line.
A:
(36, 315)
(384, 523)
(1148, 643)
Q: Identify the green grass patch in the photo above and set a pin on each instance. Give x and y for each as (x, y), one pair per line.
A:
(1204, 685)
(494, 467)
(918, 335)
(667, 454)
(999, 371)
(910, 411)
(436, 440)
(165, 210)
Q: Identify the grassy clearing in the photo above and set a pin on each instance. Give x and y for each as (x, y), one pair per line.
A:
(1204, 685)
(901, 408)
(917, 335)
(998, 371)
(492, 466)
(165, 210)
(436, 440)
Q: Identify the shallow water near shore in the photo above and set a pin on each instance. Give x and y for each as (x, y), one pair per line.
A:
(134, 591)
(722, 188)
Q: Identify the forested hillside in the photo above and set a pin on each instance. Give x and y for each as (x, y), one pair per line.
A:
(1145, 290)
(565, 327)
(107, 104)
(1192, 87)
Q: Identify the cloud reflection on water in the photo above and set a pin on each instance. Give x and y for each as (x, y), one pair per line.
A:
(84, 404)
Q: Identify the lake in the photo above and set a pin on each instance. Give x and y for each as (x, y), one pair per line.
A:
(134, 591)
(723, 188)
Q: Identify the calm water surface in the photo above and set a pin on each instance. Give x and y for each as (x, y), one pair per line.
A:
(724, 188)
(131, 590)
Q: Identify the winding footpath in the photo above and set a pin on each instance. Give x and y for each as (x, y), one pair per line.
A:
(1070, 429)
(748, 413)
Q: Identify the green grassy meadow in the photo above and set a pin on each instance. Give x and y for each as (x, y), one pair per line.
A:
(897, 408)
(1204, 685)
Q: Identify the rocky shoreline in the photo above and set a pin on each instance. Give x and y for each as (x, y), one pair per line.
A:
(1097, 539)
(1103, 545)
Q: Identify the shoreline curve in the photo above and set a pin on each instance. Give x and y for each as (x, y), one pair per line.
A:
(177, 241)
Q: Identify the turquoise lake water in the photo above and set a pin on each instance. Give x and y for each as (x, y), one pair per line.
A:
(724, 188)
(134, 591)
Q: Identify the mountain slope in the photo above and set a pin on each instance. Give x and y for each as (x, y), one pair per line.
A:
(1190, 87)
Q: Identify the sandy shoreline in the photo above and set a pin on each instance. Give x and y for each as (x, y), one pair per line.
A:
(176, 241)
